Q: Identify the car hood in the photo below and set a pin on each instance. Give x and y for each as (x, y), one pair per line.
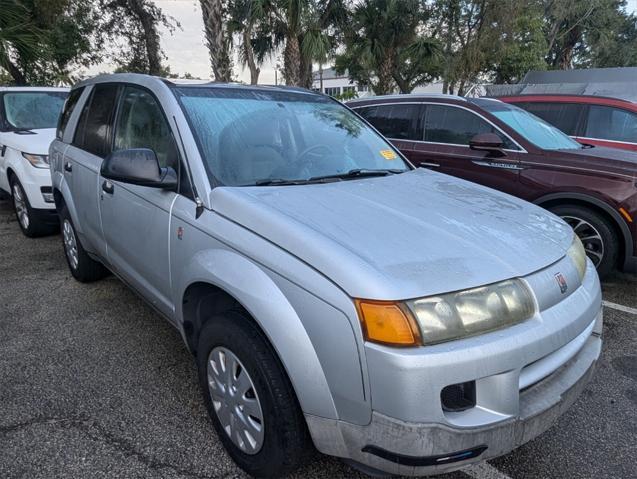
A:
(607, 159)
(403, 236)
(35, 141)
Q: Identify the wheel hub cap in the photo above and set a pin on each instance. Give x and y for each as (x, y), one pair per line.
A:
(20, 206)
(70, 245)
(590, 237)
(235, 400)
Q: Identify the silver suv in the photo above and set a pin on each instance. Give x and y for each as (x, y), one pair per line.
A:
(334, 297)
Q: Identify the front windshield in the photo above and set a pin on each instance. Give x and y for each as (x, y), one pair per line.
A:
(534, 129)
(251, 137)
(33, 110)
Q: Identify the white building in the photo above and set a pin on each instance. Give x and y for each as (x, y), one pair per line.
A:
(335, 85)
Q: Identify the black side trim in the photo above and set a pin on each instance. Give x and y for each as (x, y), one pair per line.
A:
(427, 460)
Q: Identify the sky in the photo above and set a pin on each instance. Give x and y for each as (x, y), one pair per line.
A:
(186, 51)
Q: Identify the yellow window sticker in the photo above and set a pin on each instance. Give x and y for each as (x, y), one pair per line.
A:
(388, 154)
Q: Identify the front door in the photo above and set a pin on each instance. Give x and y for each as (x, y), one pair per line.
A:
(448, 130)
(136, 219)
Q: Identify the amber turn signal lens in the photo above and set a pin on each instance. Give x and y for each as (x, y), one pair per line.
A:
(386, 322)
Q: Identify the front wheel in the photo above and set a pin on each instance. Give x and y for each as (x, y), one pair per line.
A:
(26, 216)
(596, 233)
(249, 397)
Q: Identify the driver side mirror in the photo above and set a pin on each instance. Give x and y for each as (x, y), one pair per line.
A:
(138, 166)
(488, 142)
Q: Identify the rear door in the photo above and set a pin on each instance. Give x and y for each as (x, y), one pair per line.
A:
(136, 219)
(448, 129)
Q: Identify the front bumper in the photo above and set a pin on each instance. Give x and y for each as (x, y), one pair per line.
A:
(540, 405)
(525, 377)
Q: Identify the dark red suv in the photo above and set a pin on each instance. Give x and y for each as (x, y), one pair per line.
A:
(591, 120)
(505, 147)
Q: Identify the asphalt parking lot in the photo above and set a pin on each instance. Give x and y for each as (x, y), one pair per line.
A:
(94, 384)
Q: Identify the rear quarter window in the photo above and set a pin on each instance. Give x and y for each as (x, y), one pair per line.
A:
(609, 123)
(67, 111)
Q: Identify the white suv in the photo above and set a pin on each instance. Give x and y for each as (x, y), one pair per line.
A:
(28, 117)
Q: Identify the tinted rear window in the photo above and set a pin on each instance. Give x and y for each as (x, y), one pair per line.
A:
(95, 125)
(69, 106)
(400, 122)
(565, 116)
(608, 123)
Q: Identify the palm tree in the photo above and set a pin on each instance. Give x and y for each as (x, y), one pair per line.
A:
(252, 21)
(310, 29)
(217, 38)
(385, 47)
(18, 36)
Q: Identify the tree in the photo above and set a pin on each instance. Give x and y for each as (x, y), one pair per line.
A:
(218, 39)
(252, 21)
(309, 30)
(386, 46)
(17, 35)
(133, 25)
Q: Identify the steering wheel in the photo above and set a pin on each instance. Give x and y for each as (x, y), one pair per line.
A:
(314, 152)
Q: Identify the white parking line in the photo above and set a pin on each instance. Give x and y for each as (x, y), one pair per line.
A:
(620, 307)
(484, 470)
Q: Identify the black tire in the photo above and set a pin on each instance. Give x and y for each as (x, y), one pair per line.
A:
(286, 444)
(29, 224)
(586, 223)
(87, 269)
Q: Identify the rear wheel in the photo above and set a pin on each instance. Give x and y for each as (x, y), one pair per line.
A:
(249, 397)
(596, 233)
(83, 268)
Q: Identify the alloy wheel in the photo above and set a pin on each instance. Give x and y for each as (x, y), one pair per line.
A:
(20, 204)
(590, 237)
(235, 400)
(70, 244)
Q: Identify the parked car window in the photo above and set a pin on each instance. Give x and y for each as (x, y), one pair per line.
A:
(141, 123)
(250, 136)
(532, 128)
(94, 126)
(457, 126)
(564, 116)
(399, 122)
(610, 123)
(33, 110)
(69, 106)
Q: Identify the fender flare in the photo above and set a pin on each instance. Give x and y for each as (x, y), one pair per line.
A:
(619, 221)
(251, 287)
(60, 185)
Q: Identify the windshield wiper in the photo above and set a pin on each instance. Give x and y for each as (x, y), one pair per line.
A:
(278, 181)
(356, 173)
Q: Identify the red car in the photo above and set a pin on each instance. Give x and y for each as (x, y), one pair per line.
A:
(590, 120)
(499, 145)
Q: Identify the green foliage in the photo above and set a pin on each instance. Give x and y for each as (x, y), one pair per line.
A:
(347, 95)
(385, 47)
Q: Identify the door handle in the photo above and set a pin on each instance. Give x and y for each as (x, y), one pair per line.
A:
(108, 187)
(429, 165)
(68, 166)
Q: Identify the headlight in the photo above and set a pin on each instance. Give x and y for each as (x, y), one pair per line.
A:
(578, 256)
(437, 319)
(39, 161)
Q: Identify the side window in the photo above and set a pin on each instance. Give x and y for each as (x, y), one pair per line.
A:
(610, 123)
(399, 122)
(69, 106)
(564, 116)
(456, 126)
(141, 123)
(94, 126)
